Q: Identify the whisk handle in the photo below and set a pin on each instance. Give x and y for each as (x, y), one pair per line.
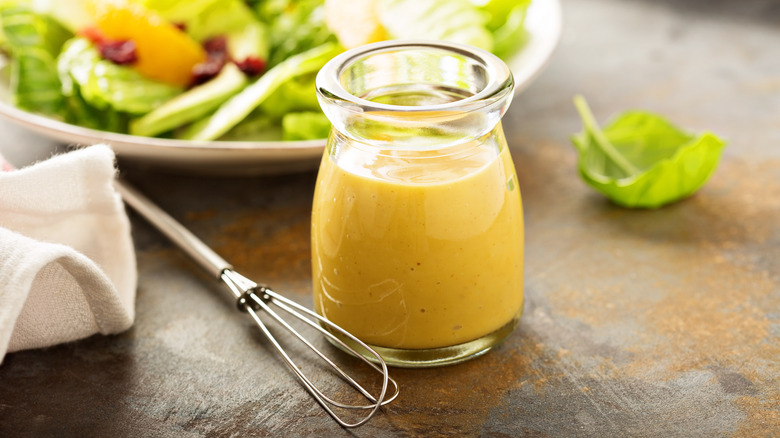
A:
(194, 247)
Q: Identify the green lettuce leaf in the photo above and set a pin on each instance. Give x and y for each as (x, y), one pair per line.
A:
(294, 26)
(81, 113)
(510, 34)
(255, 127)
(34, 41)
(104, 84)
(305, 125)
(24, 27)
(499, 11)
(34, 83)
(642, 160)
(450, 20)
(180, 11)
(297, 94)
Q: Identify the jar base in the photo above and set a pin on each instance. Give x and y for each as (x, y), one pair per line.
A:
(434, 357)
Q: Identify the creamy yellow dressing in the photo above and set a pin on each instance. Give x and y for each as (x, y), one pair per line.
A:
(419, 250)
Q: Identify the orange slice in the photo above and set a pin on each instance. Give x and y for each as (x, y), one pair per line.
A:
(354, 22)
(163, 51)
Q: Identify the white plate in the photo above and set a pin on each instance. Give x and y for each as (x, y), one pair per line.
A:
(543, 24)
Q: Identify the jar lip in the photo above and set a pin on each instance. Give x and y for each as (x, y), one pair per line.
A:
(500, 76)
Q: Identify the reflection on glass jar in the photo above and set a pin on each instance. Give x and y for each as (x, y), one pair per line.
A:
(417, 223)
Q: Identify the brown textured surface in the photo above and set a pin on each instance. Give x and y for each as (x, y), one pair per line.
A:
(636, 323)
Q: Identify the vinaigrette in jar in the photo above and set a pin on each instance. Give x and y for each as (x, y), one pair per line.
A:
(417, 222)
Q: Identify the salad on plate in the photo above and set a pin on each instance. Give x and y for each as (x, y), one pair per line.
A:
(214, 69)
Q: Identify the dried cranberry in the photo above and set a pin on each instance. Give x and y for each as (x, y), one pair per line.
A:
(216, 46)
(216, 57)
(118, 52)
(206, 70)
(251, 66)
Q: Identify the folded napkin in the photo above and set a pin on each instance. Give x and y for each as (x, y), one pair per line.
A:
(67, 263)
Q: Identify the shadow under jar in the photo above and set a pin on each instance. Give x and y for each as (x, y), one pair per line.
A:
(417, 221)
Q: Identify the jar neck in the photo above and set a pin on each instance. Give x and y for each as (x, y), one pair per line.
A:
(418, 95)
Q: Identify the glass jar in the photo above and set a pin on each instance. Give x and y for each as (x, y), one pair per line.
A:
(417, 222)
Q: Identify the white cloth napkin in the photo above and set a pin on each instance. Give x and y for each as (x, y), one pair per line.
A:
(67, 262)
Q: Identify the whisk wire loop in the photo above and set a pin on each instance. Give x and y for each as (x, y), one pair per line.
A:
(253, 298)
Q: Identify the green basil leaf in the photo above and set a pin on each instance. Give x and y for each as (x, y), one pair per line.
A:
(642, 160)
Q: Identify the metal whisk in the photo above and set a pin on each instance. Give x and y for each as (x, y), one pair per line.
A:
(257, 300)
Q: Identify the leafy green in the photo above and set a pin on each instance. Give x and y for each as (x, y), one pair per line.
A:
(305, 125)
(511, 34)
(23, 27)
(192, 104)
(250, 41)
(255, 127)
(642, 160)
(294, 26)
(242, 104)
(79, 112)
(450, 20)
(34, 41)
(498, 11)
(296, 94)
(180, 11)
(34, 82)
(104, 84)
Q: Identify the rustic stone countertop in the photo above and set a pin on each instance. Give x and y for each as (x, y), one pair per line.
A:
(652, 323)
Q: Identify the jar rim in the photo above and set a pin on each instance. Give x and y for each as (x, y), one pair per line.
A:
(500, 79)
